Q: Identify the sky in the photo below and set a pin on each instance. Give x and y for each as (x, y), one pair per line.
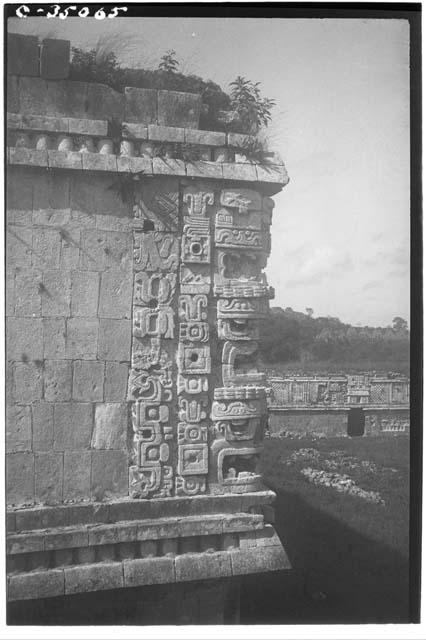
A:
(340, 231)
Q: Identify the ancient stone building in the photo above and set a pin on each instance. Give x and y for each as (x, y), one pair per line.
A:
(135, 289)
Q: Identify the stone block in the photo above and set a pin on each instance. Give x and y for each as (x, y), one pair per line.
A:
(147, 571)
(103, 250)
(54, 338)
(72, 426)
(39, 584)
(140, 105)
(46, 248)
(99, 162)
(70, 249)
(83, 126)
(208, 138)
(12, 93)
(243, 172)
(63, 557)
(110, 430)
(44, 123)
(65, 98)
(27, 292)
(166, 134)
(179, 109)
(27, 381)
(22, 55)
(24, 543)
(272, 173)
(88, 381)
(49, 475)
(77, 466)
(140, 165)
(242, 522)
(65, 159)
(115, 299)
(10, 522)
(104, 103)
(19, 194)
(57, 380)
(239, 140)
(10, 292)
(267, 537)
(81, 339)
(55, 59)
(32, 157)
(56, 294)
(209, 565)
(260, 560)
(133, 130)
(168, 166)
(20, 478)
(248, 540)
(116, 377)
(18, 429)
(96, 194)
(202, 169)
(114, 340)
(109, 222)
(84, 293)
(42, 420)
(93, 577)
(19, 246)
(109, 474)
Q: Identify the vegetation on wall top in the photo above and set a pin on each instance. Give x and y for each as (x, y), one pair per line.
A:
(249, 111)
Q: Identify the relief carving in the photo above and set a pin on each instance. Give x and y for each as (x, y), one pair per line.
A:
(196, 241)
(235, 329)
(154, 289)
(194, 331)
(193, 410)
(242, 308)
(190, 485)
(192, 459)
(197, 201)
(191, 433)
(192, 385)
(193, 307)
(241, 199)
(195, 279)
(192, 359)
(153, 322)
(155, 251)
(240, 238)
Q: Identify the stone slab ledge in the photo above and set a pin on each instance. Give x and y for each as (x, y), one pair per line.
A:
(260, 555)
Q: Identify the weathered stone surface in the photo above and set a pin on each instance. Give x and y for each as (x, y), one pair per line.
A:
(94, 577)
(110, 430)
(88, 381)
(262, 559)
(209, 565)
(272, 173)
(56, 293)
(27, 288)
(54, 338)
(114, 340)
(148, 571)
(55, 59)
(51, 199)
(40, 584)
(24, 156)
(166, 134)
(136, 131)
(49, 471)
(27, 381)
(18, 429)
(12, 93)
(19, 194)
(141, 166)
(46, 248)
(70, 249)
(99, 162)
(178, 109)
(10, 292)
(103, 250)
(72, 426)
(104, 103)
(57, 380)
(81, 338)
(140, 105)
(168, 166)
(77, 467)
(20, 478)
(22, 55)
(115, 298)
(239, 140)
(42, 420)
(64, 159)
(84, 293)
(208, 138)
(24, 543)
(202, 169)
(233, 171)
(19, 246)
(88, 127)
(116, 377)
(109, 474)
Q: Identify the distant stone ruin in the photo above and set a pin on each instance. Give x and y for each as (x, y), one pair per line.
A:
(339, 405)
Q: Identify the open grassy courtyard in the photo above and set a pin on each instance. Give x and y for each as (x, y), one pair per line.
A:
(342, 512)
